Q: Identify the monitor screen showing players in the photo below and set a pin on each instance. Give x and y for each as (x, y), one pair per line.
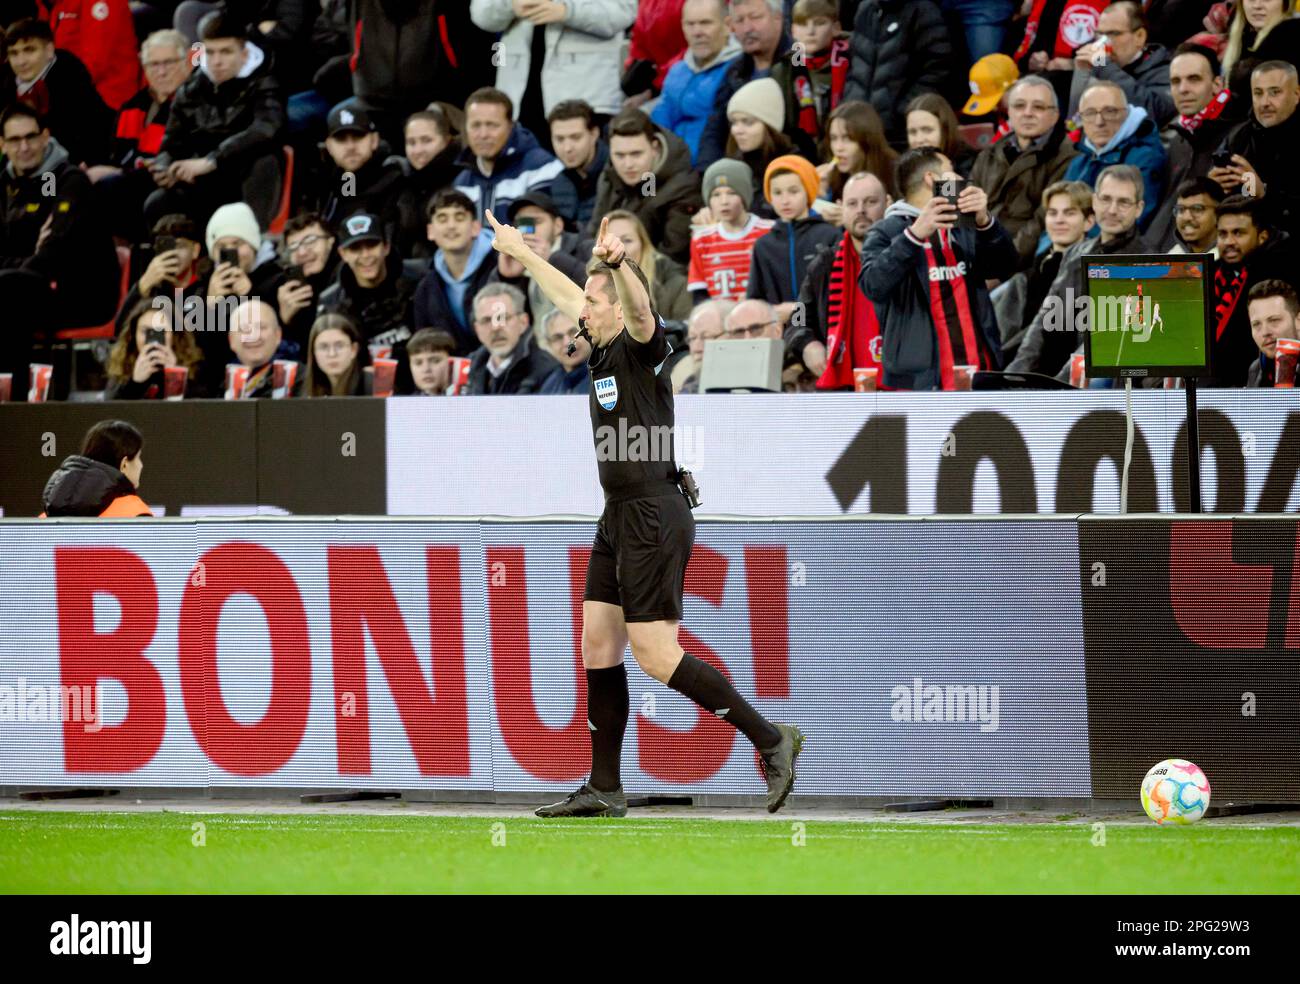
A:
(1148, 316)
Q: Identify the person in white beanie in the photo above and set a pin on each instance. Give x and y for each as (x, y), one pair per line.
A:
(241, 269)
(756, 114)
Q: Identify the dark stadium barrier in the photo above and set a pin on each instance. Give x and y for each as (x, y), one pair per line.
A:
(754, 455)
(945, 657)
(213, 457)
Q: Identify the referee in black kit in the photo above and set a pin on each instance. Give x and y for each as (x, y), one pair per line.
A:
(644, 537)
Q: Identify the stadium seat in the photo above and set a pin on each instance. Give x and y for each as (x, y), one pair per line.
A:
(109, 328)
(286, 189)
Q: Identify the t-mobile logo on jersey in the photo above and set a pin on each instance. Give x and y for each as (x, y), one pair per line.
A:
(725, 282)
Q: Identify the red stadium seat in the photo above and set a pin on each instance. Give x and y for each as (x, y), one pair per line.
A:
(286, 188)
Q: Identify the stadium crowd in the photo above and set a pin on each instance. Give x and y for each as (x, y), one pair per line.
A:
(306, 183)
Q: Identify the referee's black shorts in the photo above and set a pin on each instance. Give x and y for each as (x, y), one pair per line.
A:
(638, 559)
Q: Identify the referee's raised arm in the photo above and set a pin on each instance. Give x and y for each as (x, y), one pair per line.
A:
(638, 316)
(559, 289)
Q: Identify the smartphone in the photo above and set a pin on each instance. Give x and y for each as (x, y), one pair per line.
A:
(1221, 158)
(295, 273)
(228, 255)
(951, 189)
(164, 244)
(155, 336)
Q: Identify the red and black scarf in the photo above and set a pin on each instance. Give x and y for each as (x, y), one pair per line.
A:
(851, 325)
(950, 308)
(1228, 287)
(837, 56)
(1210, 111)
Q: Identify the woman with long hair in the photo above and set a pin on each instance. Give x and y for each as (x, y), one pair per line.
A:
(756, 114)
(665, 275)
(102, 479)
(932, 123)
(1261, 30)
(336, 356)
(145, 347)
(855, 141)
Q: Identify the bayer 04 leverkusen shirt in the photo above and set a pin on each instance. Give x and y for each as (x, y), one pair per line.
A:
(631, 403)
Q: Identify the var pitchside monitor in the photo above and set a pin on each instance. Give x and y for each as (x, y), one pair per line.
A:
(1149, 316)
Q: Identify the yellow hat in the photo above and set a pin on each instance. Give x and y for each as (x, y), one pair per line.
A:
(990, 77)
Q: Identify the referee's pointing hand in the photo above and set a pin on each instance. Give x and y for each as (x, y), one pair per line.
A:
(506, 239)
(608, 247)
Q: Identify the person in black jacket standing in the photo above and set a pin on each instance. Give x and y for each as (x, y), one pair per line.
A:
(900, 49)
(221, 140)
(925, 273)
(644, 538)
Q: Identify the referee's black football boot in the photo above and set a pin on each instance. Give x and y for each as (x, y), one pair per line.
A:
(778, 765)
(587, 801)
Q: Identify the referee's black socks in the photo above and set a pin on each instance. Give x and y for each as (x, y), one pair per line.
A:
(712, 691)
(606, 720)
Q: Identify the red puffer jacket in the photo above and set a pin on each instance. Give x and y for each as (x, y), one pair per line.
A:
(657, 35)
(101, 34)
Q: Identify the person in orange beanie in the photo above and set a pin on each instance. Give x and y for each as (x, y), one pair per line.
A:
(782, 255)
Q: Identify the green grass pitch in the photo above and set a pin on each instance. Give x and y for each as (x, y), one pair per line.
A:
(125, 853)
(1182, 309)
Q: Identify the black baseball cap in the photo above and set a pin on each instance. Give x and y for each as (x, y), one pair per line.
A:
(348, 119)
(538, 199)
(361, 228)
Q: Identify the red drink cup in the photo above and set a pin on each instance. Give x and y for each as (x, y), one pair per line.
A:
(865, 380)
(378, 352)
(459, 375)
(39, 376)
(236, 377)
(174, 380)
(963, 377)
(1076, 370)
(284, 373)
(385, 376)
(1284, 371)
(6, 386)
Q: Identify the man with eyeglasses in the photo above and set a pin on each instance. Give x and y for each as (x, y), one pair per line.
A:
(125, 182)
(1116, 133)
(1017, 169)
(1053, 335)
(58, 267)
(310, 264)
(570, 376)
(1196, 84)
(1120, 54)
(1195, 212)
(58, 87)
(508, 362)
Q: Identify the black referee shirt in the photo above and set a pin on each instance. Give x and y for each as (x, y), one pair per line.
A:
(631, 403)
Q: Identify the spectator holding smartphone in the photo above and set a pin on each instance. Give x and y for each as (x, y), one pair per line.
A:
(310, 265)
(176, 270)
(146, 347)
